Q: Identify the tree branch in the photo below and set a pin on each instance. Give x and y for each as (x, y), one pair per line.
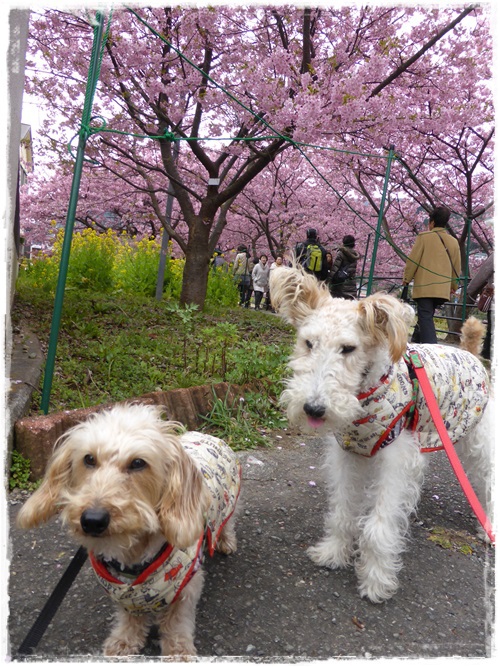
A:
(408, 63)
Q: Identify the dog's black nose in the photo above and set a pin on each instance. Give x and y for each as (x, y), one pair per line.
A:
(94, 521)
(315, 411)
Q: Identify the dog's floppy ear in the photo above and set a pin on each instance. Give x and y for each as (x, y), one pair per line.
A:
(386, 320)
(294, 293)
(43, 504)
(185, 499)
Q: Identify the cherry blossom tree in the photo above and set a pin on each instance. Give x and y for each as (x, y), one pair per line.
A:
(286, 198)
(242, 95)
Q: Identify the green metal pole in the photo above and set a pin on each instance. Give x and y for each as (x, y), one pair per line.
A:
(364, 264)
(390, 158)
(70, 217)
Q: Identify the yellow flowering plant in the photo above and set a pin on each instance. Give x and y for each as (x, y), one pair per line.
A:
(112, 262)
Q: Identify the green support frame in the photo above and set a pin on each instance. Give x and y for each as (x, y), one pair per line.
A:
(92, 79)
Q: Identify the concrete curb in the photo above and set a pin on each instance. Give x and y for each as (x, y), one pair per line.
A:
(24, 369)
(35, 437)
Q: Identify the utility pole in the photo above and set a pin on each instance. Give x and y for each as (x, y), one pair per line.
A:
(166, 236)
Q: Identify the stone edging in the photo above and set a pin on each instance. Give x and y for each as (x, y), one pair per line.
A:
(35, 436)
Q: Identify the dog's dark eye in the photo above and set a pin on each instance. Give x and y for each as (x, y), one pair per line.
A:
(309, 344)
(137, 464)
(89, 461)
(347, 349)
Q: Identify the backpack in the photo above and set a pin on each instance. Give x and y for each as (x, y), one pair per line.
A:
(313, 258)
(341, 275)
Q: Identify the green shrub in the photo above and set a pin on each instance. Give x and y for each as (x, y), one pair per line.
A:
(115, 346)
(91, 261)
(111, 262)
(20, 471)
(221, 289)
(136, 267)
(41, 273)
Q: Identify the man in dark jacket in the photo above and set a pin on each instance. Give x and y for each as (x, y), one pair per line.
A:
(311, 255)
(342, 282)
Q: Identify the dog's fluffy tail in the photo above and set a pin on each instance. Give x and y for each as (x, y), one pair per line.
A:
(472, 336)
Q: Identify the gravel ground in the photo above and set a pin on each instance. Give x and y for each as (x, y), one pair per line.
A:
(269, 602)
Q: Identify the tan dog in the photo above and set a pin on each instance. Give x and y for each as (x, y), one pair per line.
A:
(144, 501)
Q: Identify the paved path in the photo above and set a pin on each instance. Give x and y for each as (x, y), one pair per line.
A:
(269, 602)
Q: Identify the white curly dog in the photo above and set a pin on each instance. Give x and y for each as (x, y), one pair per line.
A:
(351, 382)
(145, 499)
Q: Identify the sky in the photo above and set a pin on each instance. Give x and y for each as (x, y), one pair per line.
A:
(32, 114)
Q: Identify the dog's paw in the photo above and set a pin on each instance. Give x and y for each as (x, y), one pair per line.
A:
(181, 647)
(377, 583)
(227, 541)
(227, 544)
(330, 553)
(119, 646)
(128, 635)
(375, 592)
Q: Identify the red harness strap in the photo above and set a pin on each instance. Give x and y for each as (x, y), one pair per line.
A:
(448, 445)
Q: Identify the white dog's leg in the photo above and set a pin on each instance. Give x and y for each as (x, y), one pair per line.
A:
(476, 456)
(128, 635)
(394, 494)
(345, 474)
(177, 625)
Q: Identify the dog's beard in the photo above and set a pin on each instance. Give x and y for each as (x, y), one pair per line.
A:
(340, 411)
(345, 408)
(132, 525)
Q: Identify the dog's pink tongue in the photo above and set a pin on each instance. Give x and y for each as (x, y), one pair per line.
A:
(314, 422)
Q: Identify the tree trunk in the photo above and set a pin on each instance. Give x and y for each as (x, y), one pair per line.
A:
(195, 277)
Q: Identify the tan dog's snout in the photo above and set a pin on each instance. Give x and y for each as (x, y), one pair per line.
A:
(94, 521)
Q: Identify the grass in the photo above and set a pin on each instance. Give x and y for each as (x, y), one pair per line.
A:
(246, 426)
(115, 346)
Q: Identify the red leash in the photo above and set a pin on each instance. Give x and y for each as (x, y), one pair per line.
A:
(470, 494)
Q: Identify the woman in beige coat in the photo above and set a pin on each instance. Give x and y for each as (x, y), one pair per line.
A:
(434, 265)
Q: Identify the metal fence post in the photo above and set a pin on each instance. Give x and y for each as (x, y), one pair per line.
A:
(390, 157)
(93, 75)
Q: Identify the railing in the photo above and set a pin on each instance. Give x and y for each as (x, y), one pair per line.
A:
(388, 285)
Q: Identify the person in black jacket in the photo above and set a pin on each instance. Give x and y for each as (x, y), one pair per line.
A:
(342, 281)
(311, 255)
(242, 274)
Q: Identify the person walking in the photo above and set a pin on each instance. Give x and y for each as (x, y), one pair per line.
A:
(342, 281)
(260, 279)
(242, 275)
(279, 261)
(434, 266)
(311, 255)
(218, 261)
